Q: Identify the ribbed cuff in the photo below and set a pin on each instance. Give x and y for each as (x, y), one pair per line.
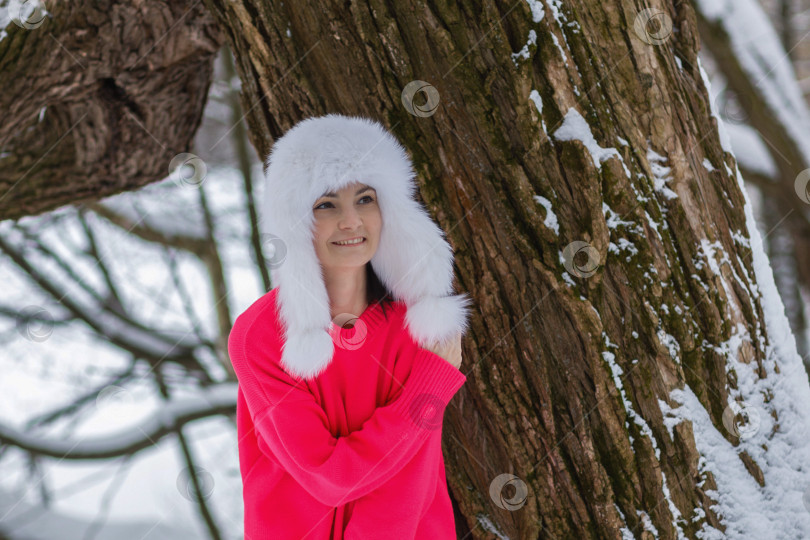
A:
(433, 381)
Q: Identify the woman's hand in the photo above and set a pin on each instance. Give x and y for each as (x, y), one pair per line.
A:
(450, 350)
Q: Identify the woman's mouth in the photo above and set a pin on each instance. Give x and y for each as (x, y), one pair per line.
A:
(354, 242)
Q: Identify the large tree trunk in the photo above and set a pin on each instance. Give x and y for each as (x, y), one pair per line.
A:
(569, 363)
(547, 349)
(98, 98)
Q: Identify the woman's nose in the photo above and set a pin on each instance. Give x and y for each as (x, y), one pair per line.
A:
(349, 219)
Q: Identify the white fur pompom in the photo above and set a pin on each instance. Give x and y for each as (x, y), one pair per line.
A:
(308, 353)
(434, 319)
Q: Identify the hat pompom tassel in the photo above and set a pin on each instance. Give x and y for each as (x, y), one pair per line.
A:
(307, 354)
(438, 318)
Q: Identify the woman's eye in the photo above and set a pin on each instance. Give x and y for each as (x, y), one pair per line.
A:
(370, 200)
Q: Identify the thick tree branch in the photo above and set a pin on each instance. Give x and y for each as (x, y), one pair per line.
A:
(95, 104)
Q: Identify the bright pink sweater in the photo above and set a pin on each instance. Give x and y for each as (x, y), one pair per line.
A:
(354, 453)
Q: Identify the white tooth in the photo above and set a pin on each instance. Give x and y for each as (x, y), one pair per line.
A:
(349, 242)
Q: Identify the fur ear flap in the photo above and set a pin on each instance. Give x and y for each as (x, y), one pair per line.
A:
(308, 353)
(438, 318)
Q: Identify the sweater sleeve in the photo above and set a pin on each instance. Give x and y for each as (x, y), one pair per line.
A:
(395, 509)
(335, 470)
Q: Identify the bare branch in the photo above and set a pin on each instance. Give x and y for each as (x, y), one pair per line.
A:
(215, 400)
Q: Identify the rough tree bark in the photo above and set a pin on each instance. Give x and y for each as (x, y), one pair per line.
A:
(98, 99)
(565, 370)
(544, 403)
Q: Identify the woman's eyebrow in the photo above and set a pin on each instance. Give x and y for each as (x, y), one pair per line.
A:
(359, 191)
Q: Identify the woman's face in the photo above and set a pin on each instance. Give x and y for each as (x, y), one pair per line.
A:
(347, 214)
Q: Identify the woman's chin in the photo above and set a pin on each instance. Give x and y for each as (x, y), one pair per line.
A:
(353, 260)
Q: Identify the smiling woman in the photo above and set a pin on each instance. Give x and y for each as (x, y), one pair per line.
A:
(340, 428)
(346, 233)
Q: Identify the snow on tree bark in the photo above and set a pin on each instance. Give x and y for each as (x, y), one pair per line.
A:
(759, 72)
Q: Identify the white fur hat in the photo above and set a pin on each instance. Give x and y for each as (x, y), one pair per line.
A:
(413, 260)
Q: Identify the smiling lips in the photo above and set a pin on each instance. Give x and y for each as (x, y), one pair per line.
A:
(351, 242)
